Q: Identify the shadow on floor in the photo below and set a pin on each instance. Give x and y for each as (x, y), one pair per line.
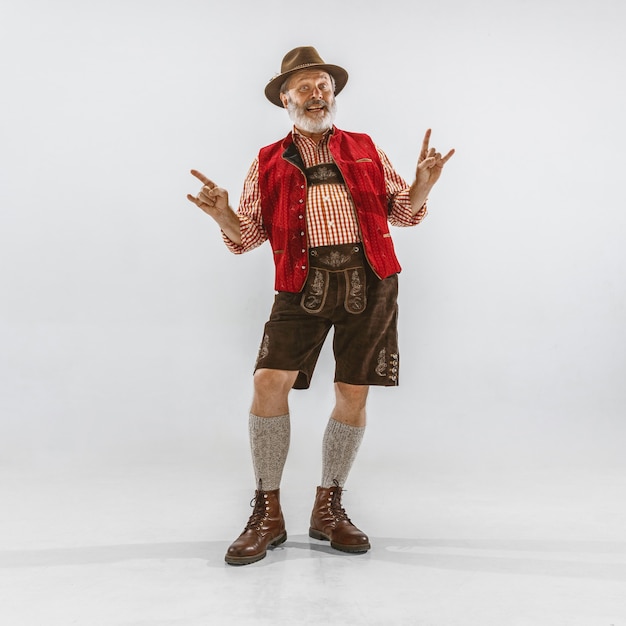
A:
(572, 559)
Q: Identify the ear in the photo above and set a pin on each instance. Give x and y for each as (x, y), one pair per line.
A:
(284, 99)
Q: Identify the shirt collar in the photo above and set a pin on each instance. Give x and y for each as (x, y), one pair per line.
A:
(300, 137)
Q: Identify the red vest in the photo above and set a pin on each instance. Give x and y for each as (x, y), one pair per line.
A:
(283, 205)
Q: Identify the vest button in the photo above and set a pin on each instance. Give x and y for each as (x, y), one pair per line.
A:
(301, 201)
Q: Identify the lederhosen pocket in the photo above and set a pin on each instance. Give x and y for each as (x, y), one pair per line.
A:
(345, 259)
(356, 294)
(315, 291)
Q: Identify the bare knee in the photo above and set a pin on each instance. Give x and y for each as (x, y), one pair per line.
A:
(350, 403)
(271, 391)
(267, 381)
(353, 395)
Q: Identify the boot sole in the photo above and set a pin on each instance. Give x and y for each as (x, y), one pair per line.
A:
(358, 549)
(247, 560)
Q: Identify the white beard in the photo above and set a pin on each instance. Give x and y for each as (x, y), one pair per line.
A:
(309, 125)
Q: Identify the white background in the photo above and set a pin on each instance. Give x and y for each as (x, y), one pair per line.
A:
(128, 332)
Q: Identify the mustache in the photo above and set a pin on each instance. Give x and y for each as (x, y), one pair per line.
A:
(315, 102)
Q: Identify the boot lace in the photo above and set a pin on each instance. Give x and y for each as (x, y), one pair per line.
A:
(259, 510)
(335, 507)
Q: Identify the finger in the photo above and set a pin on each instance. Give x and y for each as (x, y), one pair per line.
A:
(424, 150)
(427, 163)
(193, 199)
(202, 178)
(445, 159)
(208, 196)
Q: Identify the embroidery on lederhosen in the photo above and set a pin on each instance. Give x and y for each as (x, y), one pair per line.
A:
(324, 174)
(264, 348)
(315, 291)
(388, 368)
(356, 298)
(334, 259)
(381, 367)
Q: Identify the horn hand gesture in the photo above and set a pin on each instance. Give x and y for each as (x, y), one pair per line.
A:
(429, 167)
(213, 200)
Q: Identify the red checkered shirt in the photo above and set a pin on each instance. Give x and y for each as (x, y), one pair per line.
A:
(330, 213)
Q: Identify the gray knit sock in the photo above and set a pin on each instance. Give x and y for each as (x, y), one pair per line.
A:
(339, 448)
(269, 442)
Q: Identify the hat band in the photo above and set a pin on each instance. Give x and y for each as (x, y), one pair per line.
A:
(294, 69)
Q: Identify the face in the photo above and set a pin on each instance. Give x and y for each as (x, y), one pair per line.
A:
(310, 101)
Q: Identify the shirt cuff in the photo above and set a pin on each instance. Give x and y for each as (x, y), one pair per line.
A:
(235, 248)
(252, 236)
(401, 211)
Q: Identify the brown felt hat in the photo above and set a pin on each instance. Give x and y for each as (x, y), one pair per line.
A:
(303, 58)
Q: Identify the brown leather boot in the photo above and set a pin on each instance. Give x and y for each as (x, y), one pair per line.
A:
(266, 527)
(329, 522)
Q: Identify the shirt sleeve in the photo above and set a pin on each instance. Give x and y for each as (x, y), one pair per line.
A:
(398, 197)
(253, 233)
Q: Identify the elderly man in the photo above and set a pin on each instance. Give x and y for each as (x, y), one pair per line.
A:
(324, 198)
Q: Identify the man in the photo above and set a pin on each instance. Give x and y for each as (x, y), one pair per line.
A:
(324, 198)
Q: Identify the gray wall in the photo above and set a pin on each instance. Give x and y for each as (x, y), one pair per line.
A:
(128, 331)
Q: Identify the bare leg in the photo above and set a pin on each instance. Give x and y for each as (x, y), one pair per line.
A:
(271, 392)
(350, 403)
(343, 434)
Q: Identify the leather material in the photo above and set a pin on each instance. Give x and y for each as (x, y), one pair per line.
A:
(265, 528)
(329, 522)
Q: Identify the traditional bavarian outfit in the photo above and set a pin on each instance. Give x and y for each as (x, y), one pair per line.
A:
(325, 208)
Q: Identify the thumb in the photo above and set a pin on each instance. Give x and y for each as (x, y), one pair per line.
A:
(426, 163)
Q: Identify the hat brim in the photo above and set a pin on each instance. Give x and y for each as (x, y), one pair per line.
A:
(272, 90)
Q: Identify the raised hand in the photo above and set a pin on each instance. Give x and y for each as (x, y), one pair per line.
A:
(211, 198)
(429, 165)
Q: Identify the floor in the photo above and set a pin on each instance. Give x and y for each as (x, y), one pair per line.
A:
(144, 545)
